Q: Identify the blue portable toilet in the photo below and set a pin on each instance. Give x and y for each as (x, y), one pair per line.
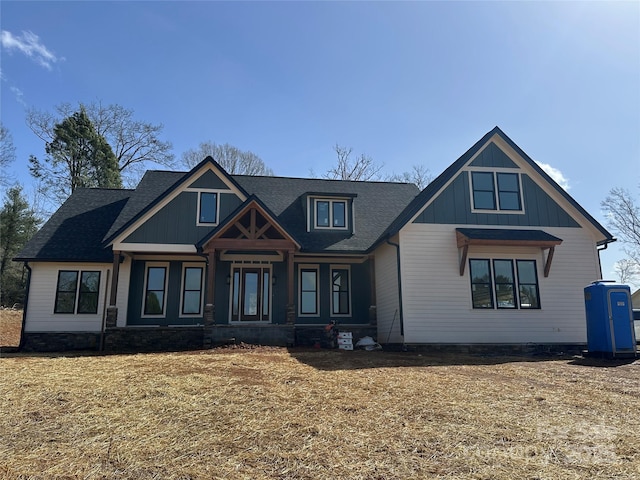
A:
(609, 319)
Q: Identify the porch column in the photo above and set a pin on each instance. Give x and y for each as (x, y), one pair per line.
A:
(373, 307)
(209, 308)
(291, 309)
(111, 320)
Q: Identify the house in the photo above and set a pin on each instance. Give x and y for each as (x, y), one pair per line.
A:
(492, 251)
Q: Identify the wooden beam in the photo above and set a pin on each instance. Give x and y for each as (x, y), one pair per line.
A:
(211, 277)
(290, 277)
(243, 230)
(372, 274)
(547, 264)
(114, 279)
(252, 224)
(249, 244)
(463, 259)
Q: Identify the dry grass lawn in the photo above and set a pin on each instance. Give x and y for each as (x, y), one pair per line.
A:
(271, 413)
(10, 324)
(274, 413)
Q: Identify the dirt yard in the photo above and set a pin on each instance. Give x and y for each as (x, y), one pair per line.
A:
(271, 413)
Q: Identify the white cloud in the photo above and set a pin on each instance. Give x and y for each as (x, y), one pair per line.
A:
(29, 44)
(556, 174)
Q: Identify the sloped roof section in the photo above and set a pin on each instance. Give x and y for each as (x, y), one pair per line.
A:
(375, 205)
(76, 230)
(436, 185)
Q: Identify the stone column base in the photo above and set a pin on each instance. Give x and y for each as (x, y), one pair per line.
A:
(373, 315)
(111, 320)
(209, 314)
(291, 314)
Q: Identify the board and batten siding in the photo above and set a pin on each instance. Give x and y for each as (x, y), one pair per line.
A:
(387, 296)
(42, 296)
(437, 300)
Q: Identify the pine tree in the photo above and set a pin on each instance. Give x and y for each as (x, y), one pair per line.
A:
(18, 224)
(76, 157)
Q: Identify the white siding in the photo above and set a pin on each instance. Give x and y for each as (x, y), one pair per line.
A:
(42, 296)
(387, 298)
(122, 294)
(437, 300)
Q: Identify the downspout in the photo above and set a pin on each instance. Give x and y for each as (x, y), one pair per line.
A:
(599, 248)
(399, 284)
(24, 308)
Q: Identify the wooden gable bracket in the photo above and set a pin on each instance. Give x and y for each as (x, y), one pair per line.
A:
(547, 263)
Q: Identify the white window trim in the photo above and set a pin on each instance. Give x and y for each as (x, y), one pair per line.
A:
(331, 269)
(317, 270)
(184, 267)
(240, 265)
(200, 191)
(331, 201)
(144, 289)
(496, 198)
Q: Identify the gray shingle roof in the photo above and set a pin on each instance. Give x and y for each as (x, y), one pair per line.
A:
(76, 230)
(376, 204)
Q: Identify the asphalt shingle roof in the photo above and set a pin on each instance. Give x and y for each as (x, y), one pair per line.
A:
(76, 230)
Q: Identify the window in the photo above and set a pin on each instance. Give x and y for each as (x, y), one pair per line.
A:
(191, 291)
(505, 286)
(502, 281)
(208, 207)
(251, 293)
(480, 284)
(505, 197)
(331, 214)
(155, 287)
(528, 292)
(74, 297)
(309, 291)
(340, 291)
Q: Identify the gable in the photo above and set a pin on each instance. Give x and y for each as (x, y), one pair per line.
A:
(454, 206)
(174, 215)
(493, 156)
(209, 179)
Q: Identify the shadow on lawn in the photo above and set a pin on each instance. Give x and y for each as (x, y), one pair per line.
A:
(333, 360)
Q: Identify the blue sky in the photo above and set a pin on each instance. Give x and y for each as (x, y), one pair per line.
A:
(405, 83)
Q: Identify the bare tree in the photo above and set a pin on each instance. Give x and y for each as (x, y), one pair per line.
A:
(232, 159)
(7, 154)
(419, 176)
(361, 168)
(133, 142)
(627, 271)
(623, 215)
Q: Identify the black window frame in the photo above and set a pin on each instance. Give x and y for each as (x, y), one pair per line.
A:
(316, 291)
(510, 286)
(331, 214)
(185, 290)
(516, 285)
(79, 294)
(145, 298)
(500, 193)
(215, 208)
(343, 289)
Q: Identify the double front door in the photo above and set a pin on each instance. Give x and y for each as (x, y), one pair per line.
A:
(250, 293)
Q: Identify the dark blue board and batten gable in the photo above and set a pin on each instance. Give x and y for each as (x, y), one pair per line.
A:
(454, 204)
(165, 210)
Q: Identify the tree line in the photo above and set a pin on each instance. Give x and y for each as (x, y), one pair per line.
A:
(105, 146)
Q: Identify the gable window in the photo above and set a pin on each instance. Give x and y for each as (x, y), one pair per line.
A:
(331, 214)
(308, 303)
(512, 288)
(154, 292)
(191, 304)
(496, 191)
(208, 207)
(340, 292)
(77, 297)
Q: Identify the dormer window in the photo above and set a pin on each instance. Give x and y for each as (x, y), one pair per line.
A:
(208, 208)
(331, 214)
(497, 191)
